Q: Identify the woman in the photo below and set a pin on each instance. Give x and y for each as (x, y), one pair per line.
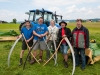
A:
(64, 32)
(52, 36)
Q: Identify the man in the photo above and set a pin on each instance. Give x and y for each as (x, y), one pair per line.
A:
(40, 30)
(80, 41)
(64, 32)
(27, 30)
(52, 36)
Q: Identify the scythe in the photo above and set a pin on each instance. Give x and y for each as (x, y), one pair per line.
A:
(11, 50)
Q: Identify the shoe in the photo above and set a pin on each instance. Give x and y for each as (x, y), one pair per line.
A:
(65, 63)
(40, 60)
(32, 61)
(82, 68)
(21, 62)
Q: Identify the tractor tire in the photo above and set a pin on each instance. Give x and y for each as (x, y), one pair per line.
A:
(21, 26)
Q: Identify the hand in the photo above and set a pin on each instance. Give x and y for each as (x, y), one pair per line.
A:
(47, 40)
(63, 36)
(17, 37)
(42, 35)
(27, 41)
(86, 48)
(39, 36)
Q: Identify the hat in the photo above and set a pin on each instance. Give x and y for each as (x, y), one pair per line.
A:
(63, 22)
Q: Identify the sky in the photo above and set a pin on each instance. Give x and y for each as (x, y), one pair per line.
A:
(69, 9)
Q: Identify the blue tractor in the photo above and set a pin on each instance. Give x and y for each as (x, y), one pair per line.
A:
(47, 16)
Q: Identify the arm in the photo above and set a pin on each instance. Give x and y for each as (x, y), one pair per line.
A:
(36, 34)
(19, 36)
(45, 33)
(30, 38)
(72, 37)
(68, 33)
(87, 38)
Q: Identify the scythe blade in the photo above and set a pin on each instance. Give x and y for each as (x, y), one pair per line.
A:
(66, 39)
(11, 50)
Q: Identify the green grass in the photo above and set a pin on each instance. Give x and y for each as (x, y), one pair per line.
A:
(7, 27)
(48, 69)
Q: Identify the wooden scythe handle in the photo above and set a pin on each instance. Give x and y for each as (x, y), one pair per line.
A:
(29, 49)
(54, 53)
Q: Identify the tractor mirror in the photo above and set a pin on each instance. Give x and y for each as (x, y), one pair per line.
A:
(37, 12)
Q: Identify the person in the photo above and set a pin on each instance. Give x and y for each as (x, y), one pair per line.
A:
(52, 36)
(27, 30)
(80, 41)
(64, 32)
(40, 31)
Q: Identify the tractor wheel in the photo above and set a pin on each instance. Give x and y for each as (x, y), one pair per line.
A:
(21, 26)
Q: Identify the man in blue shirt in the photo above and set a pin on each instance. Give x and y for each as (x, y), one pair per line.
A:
(28, 33)
(40, 31)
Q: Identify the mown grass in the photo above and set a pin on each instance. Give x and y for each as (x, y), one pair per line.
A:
(48, 69)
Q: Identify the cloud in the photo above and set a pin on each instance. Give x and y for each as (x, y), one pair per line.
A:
(4, 0)
(83, 9)
(74, 12)
(59, 3)
(9, 15)
(98, 7)
(69, 9)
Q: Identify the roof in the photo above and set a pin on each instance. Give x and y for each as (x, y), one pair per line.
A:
(40, 11)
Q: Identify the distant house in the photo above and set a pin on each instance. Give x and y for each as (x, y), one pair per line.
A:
(98, 20)
(3, 21)
(88, 20)
(0, 21)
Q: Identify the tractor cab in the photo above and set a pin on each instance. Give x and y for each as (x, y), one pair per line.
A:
(35, 14)
(47, 16)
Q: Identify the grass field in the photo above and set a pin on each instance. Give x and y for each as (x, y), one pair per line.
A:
(49, 69)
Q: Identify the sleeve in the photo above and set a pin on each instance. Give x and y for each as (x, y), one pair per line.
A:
(72, 40)
(59, 34)
(69, 33)
(34, 28)
(87, 38)
(57, 31)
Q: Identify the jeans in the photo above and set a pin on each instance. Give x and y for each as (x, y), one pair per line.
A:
(64, 48)
(82, 53)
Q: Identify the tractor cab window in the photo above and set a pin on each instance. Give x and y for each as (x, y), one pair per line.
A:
(47, 16)
(59, 19)
(37, 16)
(31, 16)
(50, 17)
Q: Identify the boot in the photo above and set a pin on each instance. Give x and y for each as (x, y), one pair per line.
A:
(32, 61)
(20, 62)
(65, 63)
